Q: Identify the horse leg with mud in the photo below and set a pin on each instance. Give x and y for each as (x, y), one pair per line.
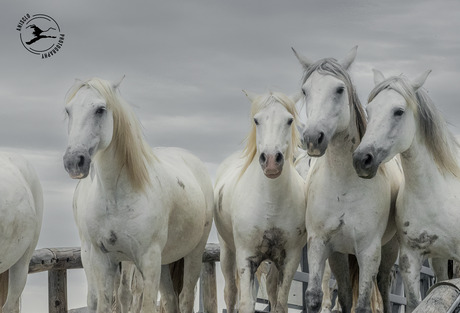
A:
(340, 267)
(389, 255)
(228, 267)
(286, 269)
(246, 269)
(317, 256)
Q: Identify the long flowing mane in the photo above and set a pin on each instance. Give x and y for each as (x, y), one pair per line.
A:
(258, 104)
(330, 66)
(131, 150)
(431, 125)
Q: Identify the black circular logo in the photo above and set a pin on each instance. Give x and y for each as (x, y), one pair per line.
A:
(40, 34)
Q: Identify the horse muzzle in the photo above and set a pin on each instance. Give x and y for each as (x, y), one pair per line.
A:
(315, 143)
(77, 163)
(272, 164)
(365, 164)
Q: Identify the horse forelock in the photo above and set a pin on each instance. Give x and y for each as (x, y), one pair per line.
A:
(257, 105)
(131, 150)
(432, 127)
(330, 66)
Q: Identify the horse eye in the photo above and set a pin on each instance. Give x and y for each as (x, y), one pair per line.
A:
(340, 90)
(304, 93)
(100, 111)
(256, 121)
(290, 121)
(399, 112)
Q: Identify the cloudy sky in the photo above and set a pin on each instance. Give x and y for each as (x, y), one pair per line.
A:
(186, 63)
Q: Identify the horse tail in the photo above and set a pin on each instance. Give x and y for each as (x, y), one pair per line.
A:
(3, 287)
(376, 298)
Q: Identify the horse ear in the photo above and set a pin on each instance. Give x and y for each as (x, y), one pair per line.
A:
(296, 97)
(419, 81)
(117, 84)
(304, 61)
(251, 95)
(378, 76)
(348, 60)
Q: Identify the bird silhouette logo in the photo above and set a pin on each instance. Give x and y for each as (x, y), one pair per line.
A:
(37, 32)
(40, 34)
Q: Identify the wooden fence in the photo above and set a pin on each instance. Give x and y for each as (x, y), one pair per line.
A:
(56, 261)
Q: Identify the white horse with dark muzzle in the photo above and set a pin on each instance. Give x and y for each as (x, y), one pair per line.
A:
(21, 211)
(260, 205)
(403, 120)
(345, 214)
(150, 207)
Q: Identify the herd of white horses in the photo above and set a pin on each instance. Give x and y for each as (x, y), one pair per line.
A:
(373, 185)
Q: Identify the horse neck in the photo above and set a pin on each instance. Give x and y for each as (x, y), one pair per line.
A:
(419, 167)
(339, 153)
(108, 170)
(263, 184)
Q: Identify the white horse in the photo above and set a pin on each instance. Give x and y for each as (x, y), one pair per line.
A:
(21, 211)
(151, 207)
(403, 119)
(345, 214)
(260, 204)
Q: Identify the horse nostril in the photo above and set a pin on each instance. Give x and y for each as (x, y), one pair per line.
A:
(279, 157)
(81, 161)
(262, 158)
(320, 138)
(367, 160)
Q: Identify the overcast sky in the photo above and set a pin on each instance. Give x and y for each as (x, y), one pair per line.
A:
(186, 63)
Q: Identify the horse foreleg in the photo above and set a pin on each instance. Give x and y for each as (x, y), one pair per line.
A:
(192, 270)
(286, 269)
(341, 269)
(149, 265)
(246, 266)
(440, 269)
(326, 306)
(104, 271)
(91, 296)
(169, 301)
(227, 264)
(384, 278)
(410, 264)
(272, 283)
(369, 261)
(317, 255)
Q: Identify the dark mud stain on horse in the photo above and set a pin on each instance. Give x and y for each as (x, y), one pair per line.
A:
(103, 248)
(271, 247)
(180, 183)
(221, 196)
(301, 231)
(113, 238)
(422, 242)
(404, 263)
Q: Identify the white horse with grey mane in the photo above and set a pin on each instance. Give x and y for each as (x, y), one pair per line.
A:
(260, 205)
(345, 214)
(403, 119)
(149, 206)
(21, 211)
